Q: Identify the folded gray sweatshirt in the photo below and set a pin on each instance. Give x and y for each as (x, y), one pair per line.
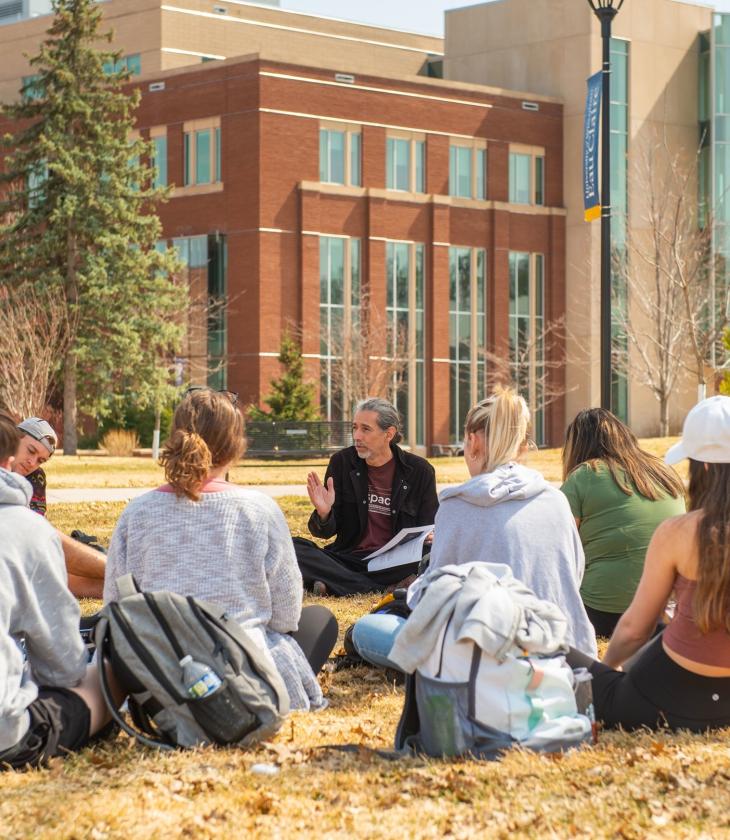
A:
(513, 516)
(35, 606)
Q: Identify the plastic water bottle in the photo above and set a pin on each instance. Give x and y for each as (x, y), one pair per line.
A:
(199, 680)
(584, 697)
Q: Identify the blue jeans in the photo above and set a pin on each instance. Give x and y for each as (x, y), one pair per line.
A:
(373, 636)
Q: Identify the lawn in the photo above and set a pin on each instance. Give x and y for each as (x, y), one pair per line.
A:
(630, 786)
(104, 471)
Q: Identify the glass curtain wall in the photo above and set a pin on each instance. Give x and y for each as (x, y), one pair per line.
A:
(619, 213)
(704, 116)
(527, 334)
(205, 271)
(467, 334)
(405, 282)
(720, 153)
(339, 319)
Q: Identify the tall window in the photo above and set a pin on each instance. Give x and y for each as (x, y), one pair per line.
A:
(468, 170)
(405, 276)
(405, 164)
(204, 354)
(527, 177)
(202, 153)
(527, 333)
(339, 156)
(31, 87)
(467, 333)
(339, 316)
(158, 138)
(131, 63)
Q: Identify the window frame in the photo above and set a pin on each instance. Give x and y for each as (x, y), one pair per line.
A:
(159, 132)
(351, 178)
(536, 338)
(191, 130)
(477, 388)
(414, 141)
(535, 190)
(417, 386)
(351, 304)
(477, 146)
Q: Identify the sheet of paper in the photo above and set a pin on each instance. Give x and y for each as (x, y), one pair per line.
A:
(405, 547)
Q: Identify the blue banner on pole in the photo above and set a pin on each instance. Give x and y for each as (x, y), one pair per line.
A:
(591, 195)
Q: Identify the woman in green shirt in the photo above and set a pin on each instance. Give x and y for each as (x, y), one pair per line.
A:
(619, 494)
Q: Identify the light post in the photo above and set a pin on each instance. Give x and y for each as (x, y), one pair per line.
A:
(606, 11)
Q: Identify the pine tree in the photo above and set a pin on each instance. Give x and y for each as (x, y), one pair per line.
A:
(77, 213)
(291, 398)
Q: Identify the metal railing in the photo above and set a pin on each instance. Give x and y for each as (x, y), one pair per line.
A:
(293, 439)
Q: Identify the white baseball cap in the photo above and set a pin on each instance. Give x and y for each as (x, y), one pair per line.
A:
(705, 434)
(40, 430)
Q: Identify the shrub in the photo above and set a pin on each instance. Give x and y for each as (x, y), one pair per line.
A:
(120, 442)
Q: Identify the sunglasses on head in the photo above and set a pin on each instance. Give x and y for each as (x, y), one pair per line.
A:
(232, 395)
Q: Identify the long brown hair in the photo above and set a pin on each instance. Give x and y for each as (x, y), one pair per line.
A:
(596, 435)
(207, 431)
(503, 418)
(709, 491)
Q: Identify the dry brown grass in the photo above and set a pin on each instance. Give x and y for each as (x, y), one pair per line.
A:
(95, 471)
(120, 443)
(632, 786)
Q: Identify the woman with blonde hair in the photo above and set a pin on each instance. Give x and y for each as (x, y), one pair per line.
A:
(680, 679)
(619, 494)
(200, 535)
(506, 513)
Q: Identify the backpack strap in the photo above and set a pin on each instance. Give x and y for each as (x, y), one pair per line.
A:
(102, 637)
(127, 586)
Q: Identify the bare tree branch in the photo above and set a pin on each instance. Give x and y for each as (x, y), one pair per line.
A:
(667, 317)
(35, 330)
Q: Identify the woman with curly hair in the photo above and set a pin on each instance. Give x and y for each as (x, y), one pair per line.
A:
(200, 535)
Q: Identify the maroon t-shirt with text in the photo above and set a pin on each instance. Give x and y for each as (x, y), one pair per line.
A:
(380, 488)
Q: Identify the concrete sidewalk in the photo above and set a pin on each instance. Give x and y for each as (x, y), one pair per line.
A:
(124, 494)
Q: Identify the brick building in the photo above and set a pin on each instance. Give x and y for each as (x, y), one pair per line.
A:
(437, 206)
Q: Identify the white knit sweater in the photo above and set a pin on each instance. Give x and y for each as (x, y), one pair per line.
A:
(232, 548)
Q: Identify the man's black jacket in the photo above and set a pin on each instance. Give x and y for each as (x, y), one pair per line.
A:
(414, 501)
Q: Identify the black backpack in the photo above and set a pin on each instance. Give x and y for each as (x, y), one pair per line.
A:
(144, 635)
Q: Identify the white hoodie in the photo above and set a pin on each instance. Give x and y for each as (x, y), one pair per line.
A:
(513, 516)
(36, 606)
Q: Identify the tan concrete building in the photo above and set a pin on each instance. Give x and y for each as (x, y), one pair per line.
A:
(154, 35)
(551, 47)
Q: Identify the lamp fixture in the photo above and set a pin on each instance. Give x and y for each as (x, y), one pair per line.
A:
(597, 5)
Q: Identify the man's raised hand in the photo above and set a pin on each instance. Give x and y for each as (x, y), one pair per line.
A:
(320, 496)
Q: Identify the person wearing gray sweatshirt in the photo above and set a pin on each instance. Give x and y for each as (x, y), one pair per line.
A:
(506, 513)
(50, 702)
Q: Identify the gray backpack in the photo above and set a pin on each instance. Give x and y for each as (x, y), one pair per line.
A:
(144, 635)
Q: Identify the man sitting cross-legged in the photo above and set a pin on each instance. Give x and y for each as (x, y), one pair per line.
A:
(85, 565)
(40, 643)
(371, 491)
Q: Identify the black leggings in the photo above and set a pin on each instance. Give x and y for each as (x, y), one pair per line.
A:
(316, 635)
(604, 623)
(655, 692)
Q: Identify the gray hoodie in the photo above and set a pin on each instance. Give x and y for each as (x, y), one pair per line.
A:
(513, 516)
(35, 605)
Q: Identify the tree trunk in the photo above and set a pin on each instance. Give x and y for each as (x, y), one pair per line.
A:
(663, 417)
(701, 391)
(70, 438)
(156, 435)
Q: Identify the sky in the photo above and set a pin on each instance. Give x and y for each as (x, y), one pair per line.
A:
(425, 16)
